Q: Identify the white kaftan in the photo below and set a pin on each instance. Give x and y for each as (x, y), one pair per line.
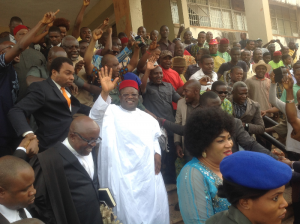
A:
(126, 163)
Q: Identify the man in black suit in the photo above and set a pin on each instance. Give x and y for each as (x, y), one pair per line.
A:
(51, 104)
(14, 21)
(66, 178)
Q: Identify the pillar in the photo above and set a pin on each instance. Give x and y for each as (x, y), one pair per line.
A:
(258, 20)
(128, 14)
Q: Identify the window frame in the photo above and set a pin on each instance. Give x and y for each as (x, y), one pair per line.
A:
(233, 12)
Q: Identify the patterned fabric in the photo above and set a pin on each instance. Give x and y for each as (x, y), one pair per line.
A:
(190, 60)
(218, 62)
(239, 109)
(227, 106)
(193, 49)
(224, 55)
(206, 45)
(291, 52)
(197, 193)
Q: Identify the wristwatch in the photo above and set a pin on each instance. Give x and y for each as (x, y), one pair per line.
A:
(290, 101)
(247, 127)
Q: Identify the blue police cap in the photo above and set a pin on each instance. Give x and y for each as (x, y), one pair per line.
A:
(255, 170)
(132, 76)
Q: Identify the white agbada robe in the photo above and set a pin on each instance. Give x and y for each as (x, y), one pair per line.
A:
(126, 163)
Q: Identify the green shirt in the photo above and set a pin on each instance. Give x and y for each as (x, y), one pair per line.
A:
(114, 94)
(276, 65)
(227, 106)
(231, 216)
(224, 55)
(295, 90)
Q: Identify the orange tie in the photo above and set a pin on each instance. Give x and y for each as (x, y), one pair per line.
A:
(66, 95)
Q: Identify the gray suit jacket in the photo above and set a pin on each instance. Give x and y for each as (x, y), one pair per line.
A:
(253, 117)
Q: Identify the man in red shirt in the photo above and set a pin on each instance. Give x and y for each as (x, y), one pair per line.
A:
(169, 75)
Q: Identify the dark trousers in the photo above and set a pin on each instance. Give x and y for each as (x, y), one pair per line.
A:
(168, 162)
(8, 145)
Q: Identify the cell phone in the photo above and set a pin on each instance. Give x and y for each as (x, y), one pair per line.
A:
(138, 38)
(278, 74)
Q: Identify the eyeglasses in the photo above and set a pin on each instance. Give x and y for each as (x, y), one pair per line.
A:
(222, 92)
(90, 142)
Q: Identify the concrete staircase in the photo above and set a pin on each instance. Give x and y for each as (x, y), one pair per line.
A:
(175, 216)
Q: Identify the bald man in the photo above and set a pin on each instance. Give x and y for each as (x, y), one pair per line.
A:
(185, 106)
(16, 189)
(67, 178)
(9, 84)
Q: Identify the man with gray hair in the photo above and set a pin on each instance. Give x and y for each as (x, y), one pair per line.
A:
(246, 109)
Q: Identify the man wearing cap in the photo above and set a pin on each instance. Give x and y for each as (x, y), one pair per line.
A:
(259, 85)
(257, 56)
(130, 156)
(213, 50)
(9, 85)
(179, 50)
(222, 52)
(276, 62)
(194, 48)
(169, 75)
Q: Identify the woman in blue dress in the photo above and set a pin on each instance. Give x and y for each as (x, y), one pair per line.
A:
(208, 139)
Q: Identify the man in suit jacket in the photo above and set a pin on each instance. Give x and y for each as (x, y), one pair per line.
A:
(66, 178)
(185, 106)
(246, 109)
(51, 104)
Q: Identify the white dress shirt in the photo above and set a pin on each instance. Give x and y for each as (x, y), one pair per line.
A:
(199, 75)
(12, 215)
(86, 161)
(59, 87)
(12, 38)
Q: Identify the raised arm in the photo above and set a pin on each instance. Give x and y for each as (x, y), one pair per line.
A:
(272, 95)
(108, 44)
(29, 37)
(150, 66)
(270, 42)
(88, 56)
(291, 111)
(135, 57)
(78, 21)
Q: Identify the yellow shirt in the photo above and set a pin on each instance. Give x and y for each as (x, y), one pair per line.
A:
(218, 61)
(291, 52)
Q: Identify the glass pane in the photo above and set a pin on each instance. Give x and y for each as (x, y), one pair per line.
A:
(216, 18)
(280, 26)
(287, 28)
(238, 21)
(285, 13)
(203, 2)
(245, 22)
(274, 26)
(175, 15)
(227, 20)
(225, 4)
(194, 18)
(272, 11)
(293, 15)
(294, 29)
(214, 3)
(278, 12)
(204, 16)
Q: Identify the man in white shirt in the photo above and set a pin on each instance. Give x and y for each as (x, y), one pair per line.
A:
(130, 156)
(206, 74)
(16, 189)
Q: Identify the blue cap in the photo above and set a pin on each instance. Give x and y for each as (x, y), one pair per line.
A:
(132, 76)
(255, 170)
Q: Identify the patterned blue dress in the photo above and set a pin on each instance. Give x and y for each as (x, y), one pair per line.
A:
(197, 193)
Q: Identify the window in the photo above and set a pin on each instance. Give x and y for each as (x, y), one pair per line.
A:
(216, 13)
(284, 21)
(174, 9)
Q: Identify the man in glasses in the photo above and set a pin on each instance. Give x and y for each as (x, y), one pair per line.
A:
(247, 110)
(130, 155)
(67, 177)
(9, 83)
(221, 89)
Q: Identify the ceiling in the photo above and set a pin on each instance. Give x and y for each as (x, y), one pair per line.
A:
(31, 11)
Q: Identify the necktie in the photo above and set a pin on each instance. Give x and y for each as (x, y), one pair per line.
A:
(22, 213)
(66, 96)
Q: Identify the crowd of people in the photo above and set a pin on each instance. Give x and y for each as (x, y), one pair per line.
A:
(133, 113)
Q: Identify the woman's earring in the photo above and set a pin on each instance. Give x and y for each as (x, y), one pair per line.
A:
(204, 154)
